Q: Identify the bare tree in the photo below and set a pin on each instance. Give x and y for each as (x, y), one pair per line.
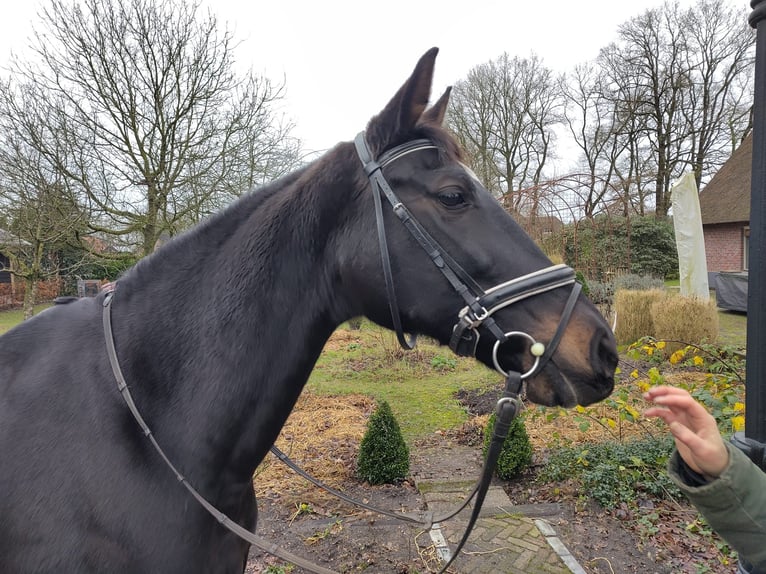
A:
(40, 213)
(598, 131)
(505, 112)
(650, 58)
(156, 123)
(720, 55)
(679, 75)
(471, 118)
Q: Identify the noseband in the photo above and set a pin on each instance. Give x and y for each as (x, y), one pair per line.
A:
(480, 304)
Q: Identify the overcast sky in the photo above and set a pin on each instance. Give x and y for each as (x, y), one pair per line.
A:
(343, 59)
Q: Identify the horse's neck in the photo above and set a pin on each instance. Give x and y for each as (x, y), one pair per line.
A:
(227, 335)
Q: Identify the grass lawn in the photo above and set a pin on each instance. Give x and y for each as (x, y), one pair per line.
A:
(419, 385)
(732, 329)
(12, 318)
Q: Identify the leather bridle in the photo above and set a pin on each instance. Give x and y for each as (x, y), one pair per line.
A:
(480, 305)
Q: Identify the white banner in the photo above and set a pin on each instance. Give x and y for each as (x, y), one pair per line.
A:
(690, 242)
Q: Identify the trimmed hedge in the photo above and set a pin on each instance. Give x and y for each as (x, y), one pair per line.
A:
(516, 454)
(383, 454)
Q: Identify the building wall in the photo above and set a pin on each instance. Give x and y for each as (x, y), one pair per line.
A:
(724, 246)
(12, 294)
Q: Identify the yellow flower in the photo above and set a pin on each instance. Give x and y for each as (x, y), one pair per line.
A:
(676, 357)
(660, 344)
(738, 423)
(634, 374)
(644, 386)
(649, 350)
(739, 407)
(698, 360)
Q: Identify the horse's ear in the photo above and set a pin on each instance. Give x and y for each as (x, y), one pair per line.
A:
(435, 114)
(393, 125)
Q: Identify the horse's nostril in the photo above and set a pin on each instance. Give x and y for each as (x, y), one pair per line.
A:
(604, 356)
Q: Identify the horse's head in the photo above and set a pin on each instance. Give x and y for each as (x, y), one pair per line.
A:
(461, 269)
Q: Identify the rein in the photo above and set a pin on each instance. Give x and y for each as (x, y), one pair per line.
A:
(478, 311)
(225, 521)
(507, 408)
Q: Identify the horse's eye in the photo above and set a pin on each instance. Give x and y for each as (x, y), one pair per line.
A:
(451, 198)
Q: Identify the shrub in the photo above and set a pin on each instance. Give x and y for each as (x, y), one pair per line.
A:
(612, 473)
(644, 245)
(580, 278)
(653, 247)
(601, 293)
(687, 319)
(516, 453)
(634, 319)
(383, 454)
(633, 282)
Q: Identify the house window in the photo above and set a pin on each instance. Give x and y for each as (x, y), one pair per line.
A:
(746, 248)
(5, 275)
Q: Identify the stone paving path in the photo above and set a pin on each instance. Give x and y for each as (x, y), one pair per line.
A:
(506, 539)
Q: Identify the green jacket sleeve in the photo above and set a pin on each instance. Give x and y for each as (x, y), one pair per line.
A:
(734, 504)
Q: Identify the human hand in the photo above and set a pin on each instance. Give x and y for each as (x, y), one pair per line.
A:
(694, 429)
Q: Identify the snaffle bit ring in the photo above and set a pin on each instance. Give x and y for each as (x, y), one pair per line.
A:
(536, 349)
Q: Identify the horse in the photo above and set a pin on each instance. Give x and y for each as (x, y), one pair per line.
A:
(217, 331)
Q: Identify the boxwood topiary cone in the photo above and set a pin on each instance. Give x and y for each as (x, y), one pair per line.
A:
(516, 454)
(383, 454)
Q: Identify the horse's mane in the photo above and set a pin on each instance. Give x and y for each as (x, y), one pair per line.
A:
(212, 233)
(209, 234)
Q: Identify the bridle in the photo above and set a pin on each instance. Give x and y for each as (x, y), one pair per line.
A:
(477, 313)
(480, 305)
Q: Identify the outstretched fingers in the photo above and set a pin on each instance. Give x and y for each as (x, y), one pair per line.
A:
(693, 428)
(681, 404)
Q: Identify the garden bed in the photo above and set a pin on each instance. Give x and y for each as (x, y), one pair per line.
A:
(647, 534)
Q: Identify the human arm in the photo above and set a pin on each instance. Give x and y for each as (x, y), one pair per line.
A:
(730, 491)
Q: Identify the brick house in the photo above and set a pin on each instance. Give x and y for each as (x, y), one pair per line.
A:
(5, 262)
(725, 207)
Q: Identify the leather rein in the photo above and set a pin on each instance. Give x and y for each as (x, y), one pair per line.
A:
(478, 311)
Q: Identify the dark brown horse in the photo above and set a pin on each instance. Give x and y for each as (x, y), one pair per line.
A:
(217, 332)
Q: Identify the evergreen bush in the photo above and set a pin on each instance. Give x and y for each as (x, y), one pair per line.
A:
(601, 293)
(643, 245)
(580, 278)
(516, 453)
(383, 454)
(614, 473)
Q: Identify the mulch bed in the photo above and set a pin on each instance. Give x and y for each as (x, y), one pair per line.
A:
(323, 435)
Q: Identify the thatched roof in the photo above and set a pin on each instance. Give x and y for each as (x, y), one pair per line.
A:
(726, 199)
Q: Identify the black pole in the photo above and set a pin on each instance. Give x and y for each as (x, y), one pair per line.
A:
(753, 440)
(755, 398)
